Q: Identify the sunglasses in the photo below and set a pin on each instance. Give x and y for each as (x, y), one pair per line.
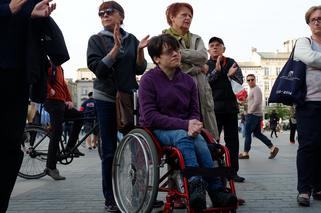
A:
(251, 79)
(315, 20)
(108, 11)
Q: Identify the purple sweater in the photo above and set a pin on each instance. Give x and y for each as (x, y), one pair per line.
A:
(167, 104)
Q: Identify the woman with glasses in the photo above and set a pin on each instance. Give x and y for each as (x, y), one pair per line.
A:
(116, 57)
(194, 56)
(308, 115)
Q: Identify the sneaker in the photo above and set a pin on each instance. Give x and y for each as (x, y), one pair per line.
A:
(243, 156)
(292, 142)
(274, 153)
(197, 194)
(303, 199)
(238, 179)
(222, 198)
(54, 173)
(111, 206)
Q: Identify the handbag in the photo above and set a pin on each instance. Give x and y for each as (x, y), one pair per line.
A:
(124, 111)
(239, 91)
(290, 86)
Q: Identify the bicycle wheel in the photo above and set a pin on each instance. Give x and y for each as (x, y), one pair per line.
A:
(34, 145)
(135, 172)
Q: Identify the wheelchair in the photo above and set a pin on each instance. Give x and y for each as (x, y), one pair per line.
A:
(137, 178)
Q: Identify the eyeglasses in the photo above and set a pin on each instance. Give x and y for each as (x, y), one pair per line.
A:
(170, 52)
(108, 11)
(315, 20)
(250, 79)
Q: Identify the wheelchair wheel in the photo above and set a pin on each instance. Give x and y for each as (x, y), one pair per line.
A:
(135, 172)
(34, 145)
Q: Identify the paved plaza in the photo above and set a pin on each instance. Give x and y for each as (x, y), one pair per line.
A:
(270, 185)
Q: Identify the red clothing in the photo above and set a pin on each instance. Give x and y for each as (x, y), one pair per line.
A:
(58, 84)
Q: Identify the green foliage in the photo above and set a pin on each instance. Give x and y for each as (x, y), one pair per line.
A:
(281, 110)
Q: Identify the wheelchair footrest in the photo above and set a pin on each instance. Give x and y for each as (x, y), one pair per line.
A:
(226, 172)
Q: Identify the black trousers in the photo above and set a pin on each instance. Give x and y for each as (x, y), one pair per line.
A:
(229, 122)
(58, 114)
(292, 131)
(13, 112)
(309, 151)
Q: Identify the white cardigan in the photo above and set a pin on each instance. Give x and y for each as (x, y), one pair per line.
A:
(310, 54)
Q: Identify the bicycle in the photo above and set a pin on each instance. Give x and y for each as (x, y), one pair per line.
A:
(35, 143)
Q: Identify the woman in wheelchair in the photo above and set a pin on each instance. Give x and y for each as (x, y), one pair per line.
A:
(169, 105)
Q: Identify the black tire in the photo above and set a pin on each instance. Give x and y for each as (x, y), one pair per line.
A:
(35, 143)
(135, 173)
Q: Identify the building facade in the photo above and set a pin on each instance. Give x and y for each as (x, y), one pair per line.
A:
(266, 66)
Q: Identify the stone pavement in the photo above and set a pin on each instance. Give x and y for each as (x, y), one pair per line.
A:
(270, 185)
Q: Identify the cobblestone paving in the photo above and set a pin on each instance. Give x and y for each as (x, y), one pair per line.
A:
(270, 185)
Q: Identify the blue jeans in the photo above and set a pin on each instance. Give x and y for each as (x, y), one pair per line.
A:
(194, 150)
(309, 152)
(253, 125)
(106, 114)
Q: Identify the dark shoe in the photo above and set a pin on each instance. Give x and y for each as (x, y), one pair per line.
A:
(158, 203)
(111, 206)
(77, 152)
(303, 201)
(241, 201)
(274, 153)
(292, 142)
(222, 198)
(243, 156)
(238, 179)
(316, 195)
(54, 173)
(197, 194)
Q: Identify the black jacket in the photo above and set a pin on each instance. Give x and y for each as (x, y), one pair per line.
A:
(113, 75)
(44, 40)
(223, 95)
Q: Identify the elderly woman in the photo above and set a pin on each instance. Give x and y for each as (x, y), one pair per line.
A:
(194, 57)
(309, 114)
(116, 57)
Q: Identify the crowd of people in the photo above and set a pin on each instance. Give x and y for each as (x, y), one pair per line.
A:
(185, 92)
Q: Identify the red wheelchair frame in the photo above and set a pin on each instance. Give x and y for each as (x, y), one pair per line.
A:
(166, 155)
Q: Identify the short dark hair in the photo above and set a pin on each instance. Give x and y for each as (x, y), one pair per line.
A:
(90, 94)
(157, 43)
(250, 75)
(216, 39)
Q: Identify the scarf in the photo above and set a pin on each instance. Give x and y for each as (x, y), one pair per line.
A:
(186, 38)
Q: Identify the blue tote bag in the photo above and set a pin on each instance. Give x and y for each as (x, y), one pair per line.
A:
(290, 86)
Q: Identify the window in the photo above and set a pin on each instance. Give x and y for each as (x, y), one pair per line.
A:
(278, 70)
(266, 87)
(266, 71)
(84, 91)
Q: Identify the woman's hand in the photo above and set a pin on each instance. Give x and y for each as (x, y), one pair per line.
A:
(16, 5)
(144, 42)
(43, 9)
(117, 36)
(194, 127)
(204, 69)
